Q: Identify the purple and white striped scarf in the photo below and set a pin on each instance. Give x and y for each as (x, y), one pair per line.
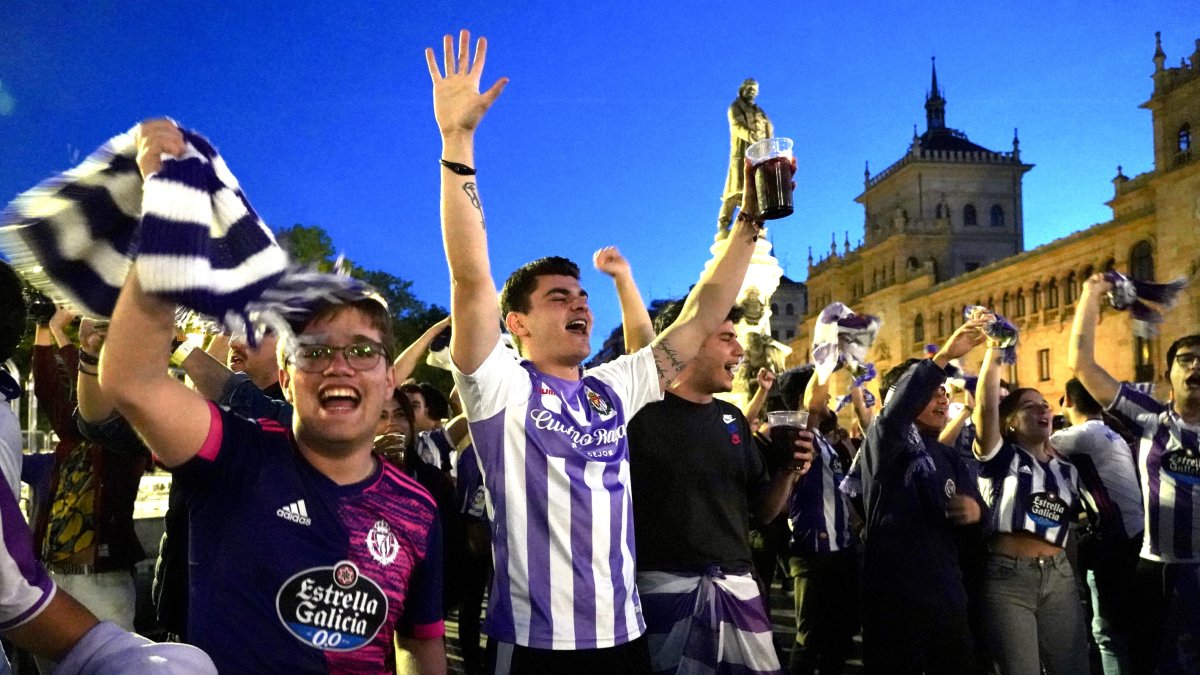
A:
(842, 337)
(1133, 295)
(708, 624)
(999, 329)
(189, 229)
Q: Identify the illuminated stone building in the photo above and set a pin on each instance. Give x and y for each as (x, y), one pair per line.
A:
(944, 230)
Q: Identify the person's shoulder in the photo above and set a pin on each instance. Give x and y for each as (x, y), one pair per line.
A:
(400, 485)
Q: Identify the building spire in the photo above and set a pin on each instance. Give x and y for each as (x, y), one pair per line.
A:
(1160, 57)
(846, 243)
(935, 104)
(810, 260)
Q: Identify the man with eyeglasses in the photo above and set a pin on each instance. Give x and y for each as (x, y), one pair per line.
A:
(1168, 462)
(307, 552)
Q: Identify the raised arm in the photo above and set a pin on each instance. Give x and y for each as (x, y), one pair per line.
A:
(458, 107)
(864, 413)
(408, 359)
(766, 380)
(172, 419)
(951, 431)
(636, 325)
(95, 405)
(1081, 351)
(987, 402)
(710, 300)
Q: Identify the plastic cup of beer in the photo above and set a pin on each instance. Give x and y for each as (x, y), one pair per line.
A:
(772, 162)
(786, 426)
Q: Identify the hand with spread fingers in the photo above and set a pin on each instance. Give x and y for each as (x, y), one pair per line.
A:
(458, 104)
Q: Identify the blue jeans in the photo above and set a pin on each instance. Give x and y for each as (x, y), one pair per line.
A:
(1032, 616)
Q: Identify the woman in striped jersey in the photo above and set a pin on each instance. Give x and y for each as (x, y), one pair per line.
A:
(1031, 611)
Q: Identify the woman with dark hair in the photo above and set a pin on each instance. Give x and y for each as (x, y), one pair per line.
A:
(1031, 610)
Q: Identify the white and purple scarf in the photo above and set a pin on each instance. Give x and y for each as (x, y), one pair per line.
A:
(1133, 295)
(842, 337)
(189, 229)
(999, 329)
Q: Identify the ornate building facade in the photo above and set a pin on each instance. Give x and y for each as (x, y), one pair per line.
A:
(944, 230)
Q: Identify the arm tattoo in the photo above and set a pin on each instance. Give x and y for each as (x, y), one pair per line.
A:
(473, 195)
(672, 356)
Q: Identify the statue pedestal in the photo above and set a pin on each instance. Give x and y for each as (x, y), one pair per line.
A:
(754, 330)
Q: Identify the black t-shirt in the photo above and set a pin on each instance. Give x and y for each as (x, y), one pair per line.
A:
(908, 480)
(694, 470)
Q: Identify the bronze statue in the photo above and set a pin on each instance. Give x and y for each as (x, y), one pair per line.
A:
(747, 124)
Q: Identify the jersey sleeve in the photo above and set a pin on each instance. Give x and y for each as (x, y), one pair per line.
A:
(25, 587)
(232, 456)
(423, 616)
(634, 377)
(488, 390)
(1135, 410)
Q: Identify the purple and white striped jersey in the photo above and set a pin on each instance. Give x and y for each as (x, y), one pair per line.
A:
(1168, 457)
(1025, 495)
(25, 588)
(818, 512)
(1110, 483)
(555, 463)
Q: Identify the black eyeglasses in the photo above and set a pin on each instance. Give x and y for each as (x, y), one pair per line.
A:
(1186, 360)
(362, 355)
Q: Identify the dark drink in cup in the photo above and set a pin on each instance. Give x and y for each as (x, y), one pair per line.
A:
(772, 162)
(786, 426)
(773, 181)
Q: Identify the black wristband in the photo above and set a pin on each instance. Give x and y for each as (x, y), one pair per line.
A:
(460, 169)
(87, 358)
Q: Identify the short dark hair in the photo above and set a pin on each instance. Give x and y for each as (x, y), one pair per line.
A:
(669, 313)
(435, 401)
(791, 386)
(518, 288)
(1185, 341)
(1082, 399)
(893, 375)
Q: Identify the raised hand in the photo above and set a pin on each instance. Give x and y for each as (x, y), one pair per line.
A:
(155, 137)
(62, 316)
(610, 261)
(458, 106)
(92, 335)
(766, 379)
(964, 339)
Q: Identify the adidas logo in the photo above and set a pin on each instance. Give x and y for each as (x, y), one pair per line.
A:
(1025, 469)
(295, 512)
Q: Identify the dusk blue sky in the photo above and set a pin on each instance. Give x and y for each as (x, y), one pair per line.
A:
(613, 128)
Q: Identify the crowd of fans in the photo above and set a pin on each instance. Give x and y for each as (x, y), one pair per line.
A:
(621, 519)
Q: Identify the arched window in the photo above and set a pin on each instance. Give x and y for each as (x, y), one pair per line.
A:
(1185, 138)
(1004, 304)
(774, 308)
(1052, 294)
(941, 324)
(1020, 302)
(991, 304)
(919, 330)
(1088, 272)
(1036, 297)
(969, 215)
(997, 216)
(937, 213)
(1072, 288)
(788, 310)
(1141, 261)
(1110, 264)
